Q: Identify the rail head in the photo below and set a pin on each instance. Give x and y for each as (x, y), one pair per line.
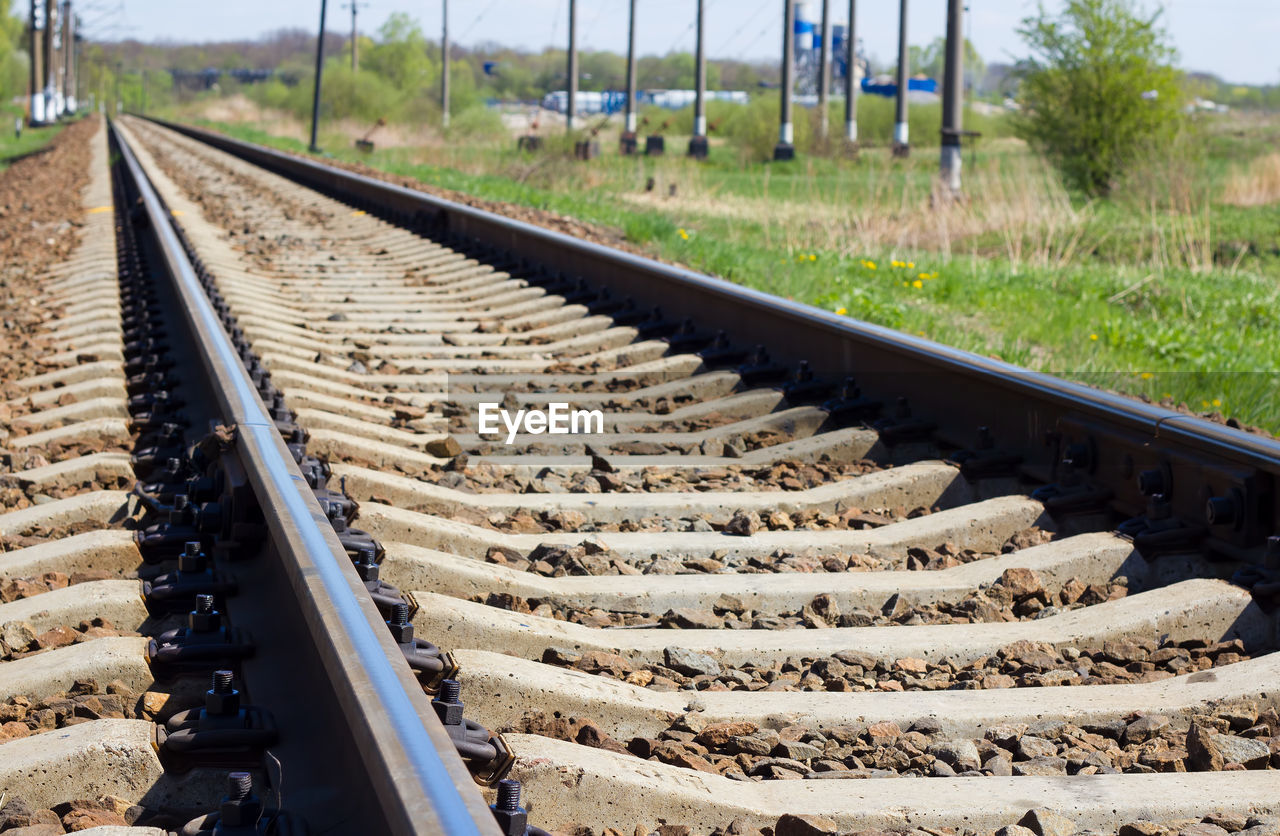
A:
(401, 742)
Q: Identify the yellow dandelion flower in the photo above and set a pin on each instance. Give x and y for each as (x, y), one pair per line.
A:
(870, 265)
(925, 276)
(1217, 402)
(1093, 337)
(1204, 404)
(1146, 375)
(904, 284)
(917, 284)
(841, 311)
(813, 257)
(919, 333)
(911, 265)
(682, 233)
(1167, 395)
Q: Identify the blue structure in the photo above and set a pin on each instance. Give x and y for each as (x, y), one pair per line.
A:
(923, 85)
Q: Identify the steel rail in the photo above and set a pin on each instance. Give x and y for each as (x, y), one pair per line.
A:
(961, 386)
(422, 785)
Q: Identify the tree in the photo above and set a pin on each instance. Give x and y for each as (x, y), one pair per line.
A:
(932, 60)
(13, 58)
(1098, 90)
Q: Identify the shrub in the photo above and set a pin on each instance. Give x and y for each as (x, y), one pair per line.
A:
(1099, 89)
(477, 122)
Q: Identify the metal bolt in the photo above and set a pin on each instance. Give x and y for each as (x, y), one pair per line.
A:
(177, 515)
(448, 706)
(849, 390)
(401, 629)
(450, 690)
(204, 618)
(366, 563)
(508, 795)
(240, 808)
(222, 700)
(1151, 482)
(1076, 455)
(1220, 510)
(803, 372)
(512, 819)
(239, 785)
(189, 560)
(985, 440)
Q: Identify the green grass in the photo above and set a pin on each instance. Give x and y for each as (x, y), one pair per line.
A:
(1131, 294)
(14, 148)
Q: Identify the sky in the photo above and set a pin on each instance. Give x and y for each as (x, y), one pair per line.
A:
(1234, 39)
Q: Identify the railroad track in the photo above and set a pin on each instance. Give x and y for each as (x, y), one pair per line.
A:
(758, 594)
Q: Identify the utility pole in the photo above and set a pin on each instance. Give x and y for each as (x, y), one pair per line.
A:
(824, 72)
(850, 76)
(698, 142)
(315, 96)
(142, 108)
(50, 15)
(627, 142)
(572, 95)
(68, 58)
(119, 73)
(785, 150)
(444, 64)
(901, 139)
(34, 80)
(953, 97)
(355, 37)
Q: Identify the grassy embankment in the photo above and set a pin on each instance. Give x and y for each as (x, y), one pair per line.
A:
(32, 139)
(1169, 290)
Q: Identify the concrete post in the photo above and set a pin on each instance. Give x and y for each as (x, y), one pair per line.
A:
(315, 94)
(698, 143)
(901, 139)
(68, 59)
(35, 80)
(851, 76)
(824, 73)
(785, 149)
(50, 20)
(953, 97)
(571, 101)
(627, 142)
(444, 64)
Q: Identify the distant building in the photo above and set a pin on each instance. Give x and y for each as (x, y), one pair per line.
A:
(615, 101)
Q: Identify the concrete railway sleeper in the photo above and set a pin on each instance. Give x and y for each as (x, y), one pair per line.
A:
(760, 597)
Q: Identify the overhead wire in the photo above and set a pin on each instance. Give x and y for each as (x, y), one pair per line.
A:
(751, 19)
(476, 22)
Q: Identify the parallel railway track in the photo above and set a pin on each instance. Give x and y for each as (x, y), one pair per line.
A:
(810, 575)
